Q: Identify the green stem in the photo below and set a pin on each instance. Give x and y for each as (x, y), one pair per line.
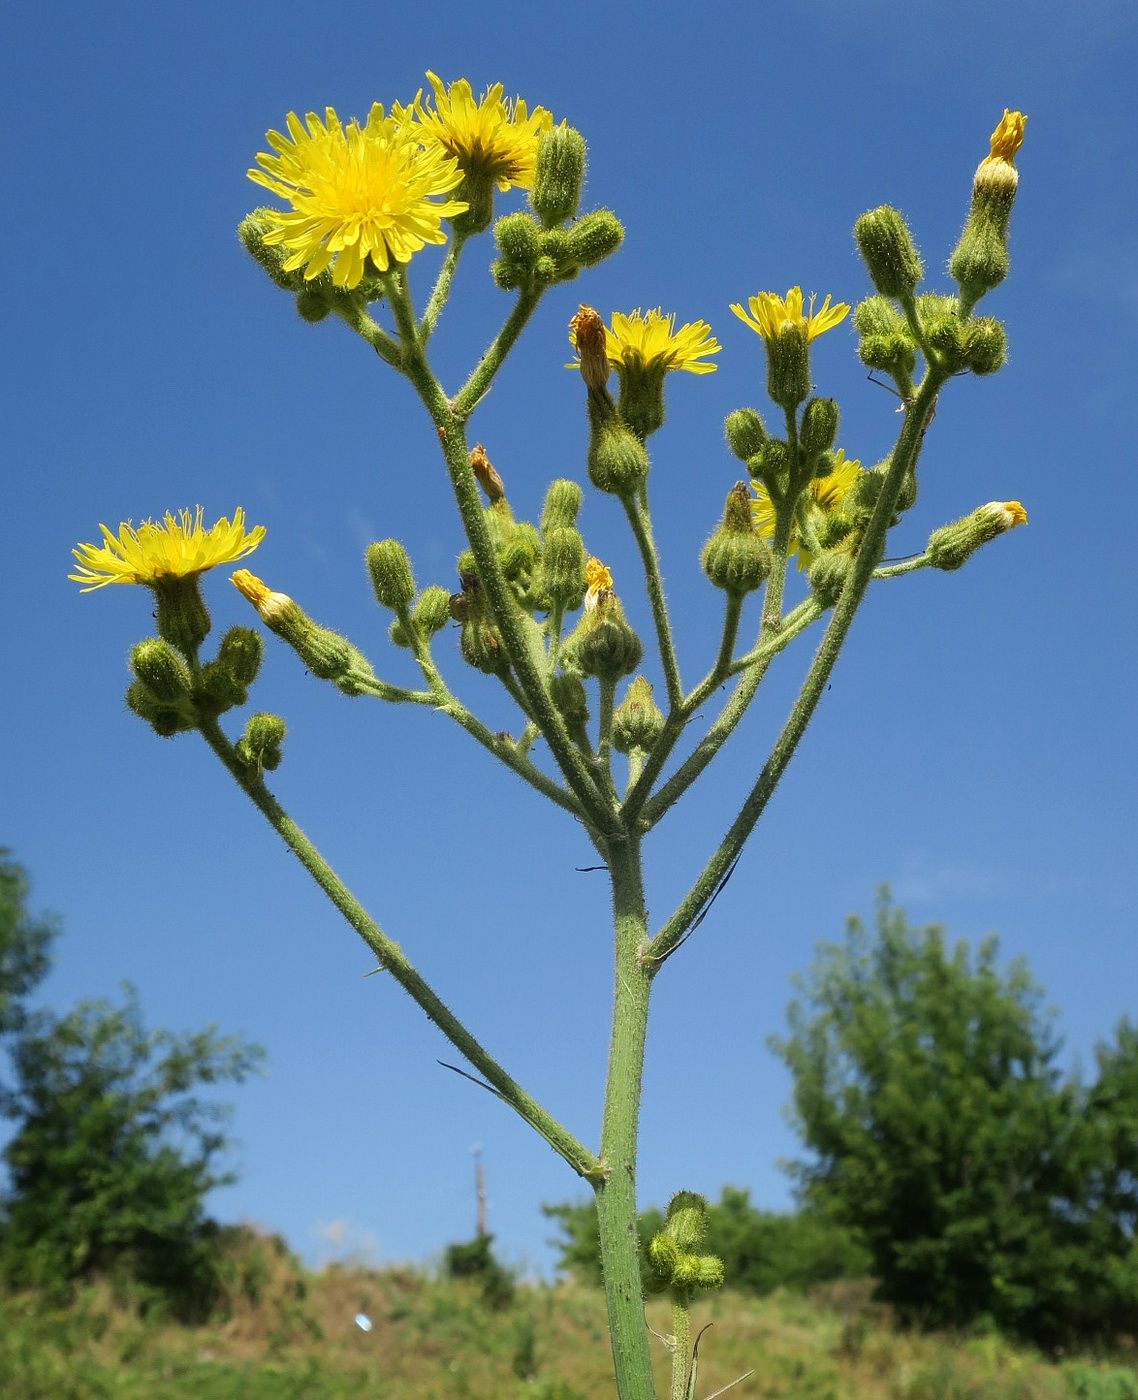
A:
(903, 460)
(441, 290)
(392, 959)
(527, 666)
(357, 318)
(607, 692)
(616, 1193)
(681, 1345)
(796, 620)
(487, 367)
(906, 566)
(639, 519)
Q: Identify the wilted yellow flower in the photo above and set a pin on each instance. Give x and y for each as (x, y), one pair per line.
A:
(649, 341)
(998, 166)
(358, 194)
(589, 338)
(825, 493)
(175, 548)
(599, 581)
(491, 138)
(770, 314)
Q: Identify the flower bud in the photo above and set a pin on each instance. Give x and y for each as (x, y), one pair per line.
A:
(887, 247)
(772, 467)
(746, 433)
(517, 237)
(260, 746)
(165, 720)
(593, 237)
(559, 175)
(671, 1254)
(325, 653)
(827, 575)
(312, 306)
(788, 367)
(562, 502)
(391, 576)
(161, 670)
(940, 321)
(272, 256)
(885, 342)
(568, 694)
(985, 345)
(617, 462)
(603, 644)
(431, 612)
(951, 545)
(980, 260)
(482, 648)
(736, 558)
(637, 721)
(563, 568)
(819, 427)
(240, 653)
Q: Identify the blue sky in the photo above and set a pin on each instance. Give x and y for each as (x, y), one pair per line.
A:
(976, 749)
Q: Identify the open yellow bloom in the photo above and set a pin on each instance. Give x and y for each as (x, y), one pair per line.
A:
(175, 548)
(491, 138)
(770, 314)
(648, 341)
(358, 194)
(824, 494)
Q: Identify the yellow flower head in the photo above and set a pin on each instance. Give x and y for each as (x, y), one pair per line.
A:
(358, 194)
(599, 581)
(1007, 514)
(269, 604)
(770, 314)
(491, 138)
(998, 166)
(648, 342)
(824, 494)
(176, 548)
(1008, 136)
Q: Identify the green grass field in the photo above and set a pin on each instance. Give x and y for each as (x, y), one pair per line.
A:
(288, 1334)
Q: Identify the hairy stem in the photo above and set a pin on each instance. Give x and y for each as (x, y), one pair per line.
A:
(482, 375)
(639, 519)
(393, 960)
(441, 290)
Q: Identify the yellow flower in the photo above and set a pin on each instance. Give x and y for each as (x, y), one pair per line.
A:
(648, 341)
(824, 494)
(1006, 514)
(770, 314)
(1008, 136)
(599, 581)
(175, 548)
(358, 194)
(490, 138)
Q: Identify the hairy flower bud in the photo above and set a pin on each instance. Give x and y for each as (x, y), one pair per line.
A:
(324, 652)
(391, 577)
(746, 433)
(161, 670)
(980, 260)
(828, 574)
(617, 461)
(260, 745)
(593, 237)
(737, 558)
(559, 175)
(563, 568)
(985, 345)
(562, 502)
(431, 611)
(517, 237)
(819, 427)
(166, 720)
(885, 243)
(603, 644)
(951, 545)
(637, 721)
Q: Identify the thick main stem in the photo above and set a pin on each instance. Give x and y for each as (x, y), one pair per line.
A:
(616, 1194)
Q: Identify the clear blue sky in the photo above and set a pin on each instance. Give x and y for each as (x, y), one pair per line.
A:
(976, 750)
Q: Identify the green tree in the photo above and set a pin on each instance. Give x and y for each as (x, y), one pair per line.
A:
(24, 945)
(984, 1182)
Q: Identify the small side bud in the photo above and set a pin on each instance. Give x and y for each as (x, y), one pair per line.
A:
(772, 466)
(517, 237)
(431, 612)
(594, 237)
(162, 671)
(241, 652)
(637, 722)
(828, 574)
(819, 427)
(482, 648)
(746, 433)
(559, 175)
(568, 694)
(165, 720)
(260, 746)
(736, 558)
(562, 502)
(563, 568)
(884, 241)
(272, 256)
(391, 576)
(985, 345)
(950, 546)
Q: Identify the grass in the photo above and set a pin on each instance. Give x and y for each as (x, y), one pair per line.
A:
(285, 1334)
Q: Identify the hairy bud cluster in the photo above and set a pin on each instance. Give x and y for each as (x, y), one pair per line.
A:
(672, 1256)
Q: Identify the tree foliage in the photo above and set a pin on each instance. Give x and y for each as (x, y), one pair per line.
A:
(985, 1182)
(113, 1151)
(761, 1250)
